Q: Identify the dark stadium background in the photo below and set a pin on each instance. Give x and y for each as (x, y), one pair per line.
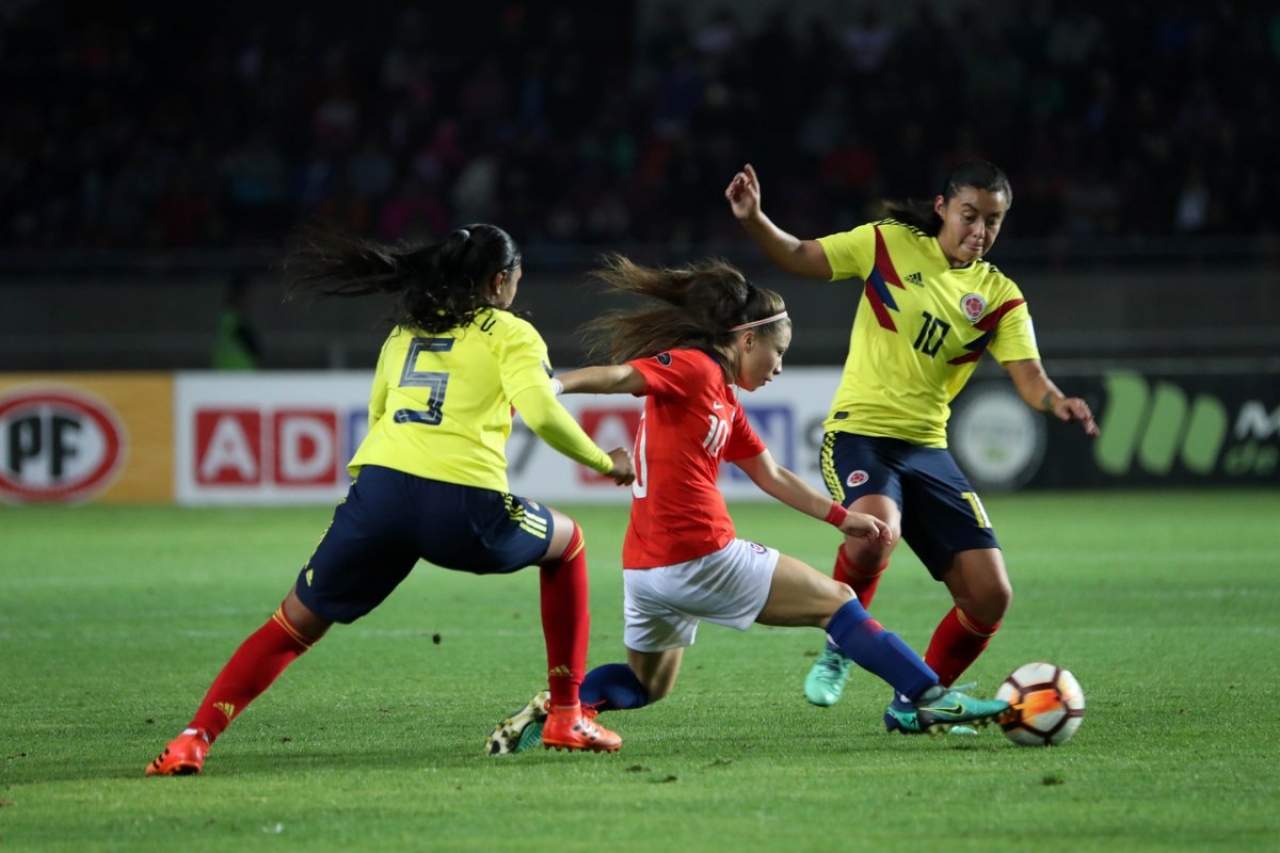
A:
(151, 153)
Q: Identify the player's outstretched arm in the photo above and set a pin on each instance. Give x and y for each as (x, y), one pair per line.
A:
(602, 379)
(786, 486)
(552, 423)
(1040, 393)
(796, 256)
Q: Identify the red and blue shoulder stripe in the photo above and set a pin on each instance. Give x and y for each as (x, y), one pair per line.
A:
(883, 274)
(987, 324)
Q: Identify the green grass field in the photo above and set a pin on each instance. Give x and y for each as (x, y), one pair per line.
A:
(113, 621)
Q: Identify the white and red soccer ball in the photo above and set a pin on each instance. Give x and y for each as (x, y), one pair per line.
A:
(1047, 705)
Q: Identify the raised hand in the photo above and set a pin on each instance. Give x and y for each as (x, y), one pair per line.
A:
(743, 193)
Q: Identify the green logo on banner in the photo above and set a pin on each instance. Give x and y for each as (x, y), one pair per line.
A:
(1156, 425)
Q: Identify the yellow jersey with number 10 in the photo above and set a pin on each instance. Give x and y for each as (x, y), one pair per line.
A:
(920, 329)
(441, 403)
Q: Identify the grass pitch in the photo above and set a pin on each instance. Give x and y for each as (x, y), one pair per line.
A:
(113, 621)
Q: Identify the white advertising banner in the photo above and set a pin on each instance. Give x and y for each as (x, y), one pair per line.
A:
(285, 438)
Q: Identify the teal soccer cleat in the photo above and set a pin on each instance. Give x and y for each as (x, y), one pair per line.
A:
(939, 710)
(825, 682)
(522, 729)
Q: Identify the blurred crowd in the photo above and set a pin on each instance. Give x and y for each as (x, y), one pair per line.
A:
(160, 125)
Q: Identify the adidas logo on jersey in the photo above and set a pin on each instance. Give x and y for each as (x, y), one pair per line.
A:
(916, 278)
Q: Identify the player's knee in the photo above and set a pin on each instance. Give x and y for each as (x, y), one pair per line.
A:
(568, 542)
(862, 553)
(1005, 603)
(836, 595)
(989, 605)
(659, 693)
(1000, 597)
(658, 688)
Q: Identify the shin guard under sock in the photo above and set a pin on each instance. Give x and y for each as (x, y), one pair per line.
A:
(862, 581)
(956, 643)
(566, 621)
(865, 641)
(252, 669)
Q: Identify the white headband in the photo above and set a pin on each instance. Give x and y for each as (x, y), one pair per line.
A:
(755, 323)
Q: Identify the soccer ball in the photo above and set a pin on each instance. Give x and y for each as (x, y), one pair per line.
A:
(1047, 705)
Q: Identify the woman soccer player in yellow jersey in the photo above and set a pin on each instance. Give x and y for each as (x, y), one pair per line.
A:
(430, 477)
(931, 306)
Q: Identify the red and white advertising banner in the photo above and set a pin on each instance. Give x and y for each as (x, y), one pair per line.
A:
(273, 438)
(266, 438)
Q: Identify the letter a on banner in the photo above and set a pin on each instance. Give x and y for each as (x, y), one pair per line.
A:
(228, 445)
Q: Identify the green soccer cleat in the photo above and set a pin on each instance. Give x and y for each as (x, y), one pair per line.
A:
(939, 710)
(825, 682)
(522, 729)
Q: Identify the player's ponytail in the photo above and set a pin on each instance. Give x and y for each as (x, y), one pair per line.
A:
(691, 307)
(915, 213)
(439, 286)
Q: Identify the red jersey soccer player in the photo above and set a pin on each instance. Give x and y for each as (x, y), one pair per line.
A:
(682, 561)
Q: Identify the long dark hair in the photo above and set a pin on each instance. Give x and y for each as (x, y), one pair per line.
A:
(978, 174)
(692, 307)
(439, 286)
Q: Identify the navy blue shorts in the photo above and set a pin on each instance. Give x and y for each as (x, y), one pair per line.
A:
(390, 520)
(941, 513)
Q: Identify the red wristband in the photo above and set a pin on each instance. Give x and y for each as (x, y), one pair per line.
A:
(837, 514)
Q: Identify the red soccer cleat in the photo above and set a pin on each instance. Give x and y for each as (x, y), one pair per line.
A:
(576, 728)
(184, 756)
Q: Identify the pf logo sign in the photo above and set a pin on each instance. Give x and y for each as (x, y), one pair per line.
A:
(57, 445)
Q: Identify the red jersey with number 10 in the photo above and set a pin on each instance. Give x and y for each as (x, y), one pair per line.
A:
(691, 421)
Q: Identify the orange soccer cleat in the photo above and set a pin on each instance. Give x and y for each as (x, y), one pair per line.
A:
(184, 756)
(575, 727)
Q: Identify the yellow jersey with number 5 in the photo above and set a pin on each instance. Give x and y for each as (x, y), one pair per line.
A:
(920, 329)
(441, 403)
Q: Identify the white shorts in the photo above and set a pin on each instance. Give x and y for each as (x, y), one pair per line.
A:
(663, 605)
